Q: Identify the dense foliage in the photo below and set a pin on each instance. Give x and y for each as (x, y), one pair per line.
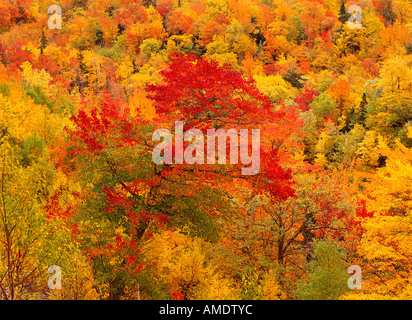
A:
(79, 188)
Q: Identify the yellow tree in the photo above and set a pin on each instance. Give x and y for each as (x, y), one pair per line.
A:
(367, 150)
(244, 45)
(394, 193)
(96, 76)
(396, 98)
(385, 250)
(403, 11)
(33, 236)
(188, 266)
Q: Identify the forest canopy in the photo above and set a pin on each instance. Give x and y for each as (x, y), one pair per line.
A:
(83, 89)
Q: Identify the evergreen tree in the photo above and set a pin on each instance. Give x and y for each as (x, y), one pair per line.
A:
(43, 42)
(294, 78)
(343, 15)
(83, 67)
(349, 120)
(353, 117)
(362, 110)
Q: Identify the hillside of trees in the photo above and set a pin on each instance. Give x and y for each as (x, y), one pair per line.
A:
(79, 189)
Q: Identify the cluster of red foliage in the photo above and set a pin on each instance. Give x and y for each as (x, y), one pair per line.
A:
(305, 97)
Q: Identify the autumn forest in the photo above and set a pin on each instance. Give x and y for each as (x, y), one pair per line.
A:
(85, 212)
